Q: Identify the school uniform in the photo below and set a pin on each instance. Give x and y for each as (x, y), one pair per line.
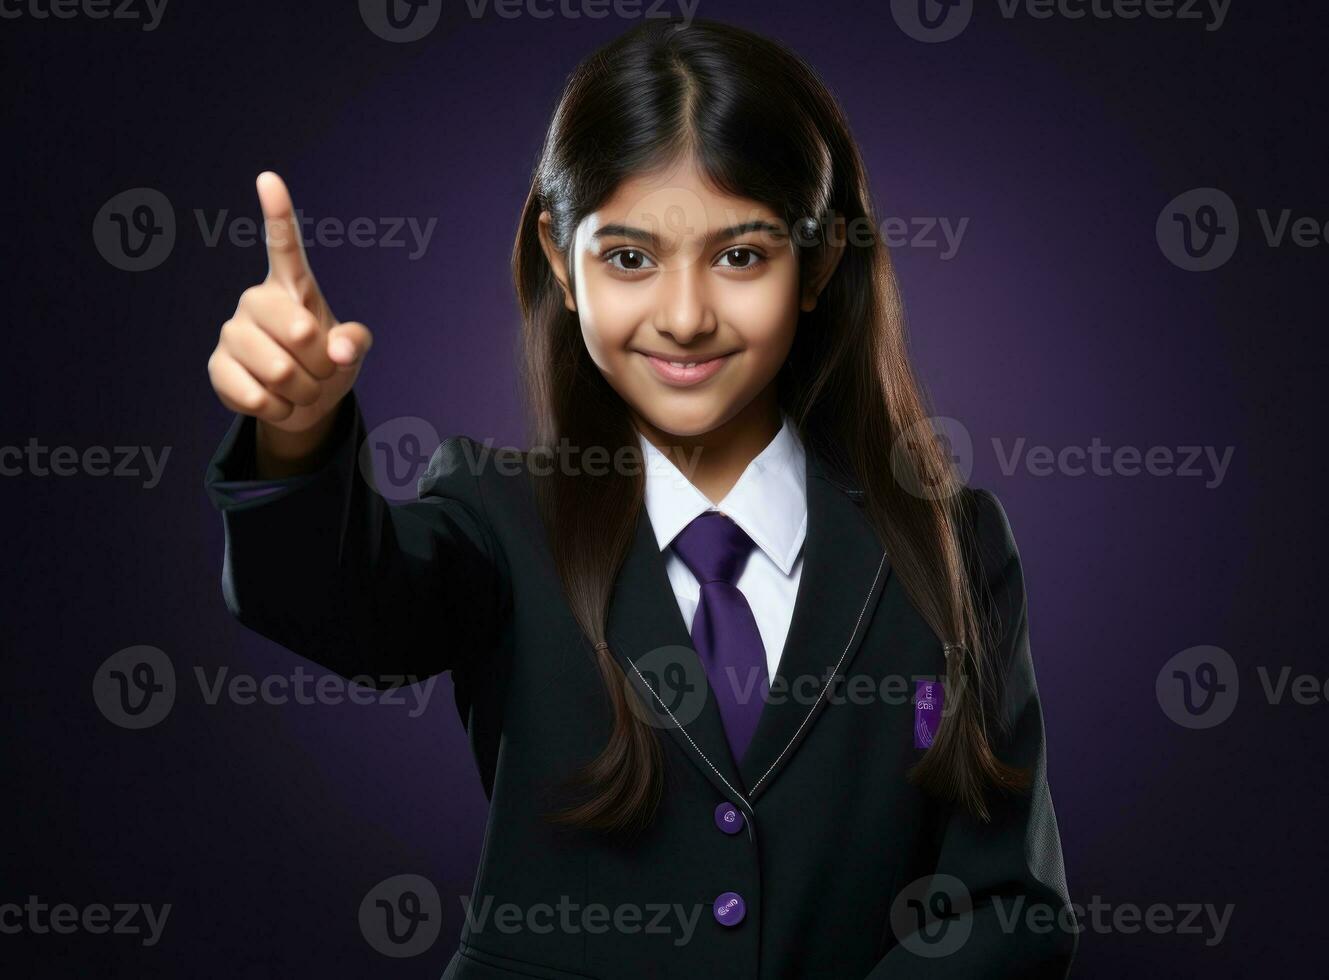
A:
(769, 504)
(785, 858)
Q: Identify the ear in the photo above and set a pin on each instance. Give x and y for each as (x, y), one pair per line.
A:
(556, 263)
(823, 262)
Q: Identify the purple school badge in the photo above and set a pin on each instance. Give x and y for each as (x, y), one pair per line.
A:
(928, 699)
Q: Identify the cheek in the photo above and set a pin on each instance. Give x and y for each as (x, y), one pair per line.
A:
(766, 319)
(608, 319)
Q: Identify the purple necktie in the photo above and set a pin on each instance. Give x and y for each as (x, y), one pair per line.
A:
(724, 631)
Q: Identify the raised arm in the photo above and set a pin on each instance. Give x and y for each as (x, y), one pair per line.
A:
(316, 559)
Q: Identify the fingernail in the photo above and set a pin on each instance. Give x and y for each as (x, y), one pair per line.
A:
(342, 349)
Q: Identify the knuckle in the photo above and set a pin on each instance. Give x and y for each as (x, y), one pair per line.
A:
(305, 288)
(214, 370)
(281, 370)
(303, 329)
(280, 410)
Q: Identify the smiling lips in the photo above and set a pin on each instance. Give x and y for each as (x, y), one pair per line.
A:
(685, 373)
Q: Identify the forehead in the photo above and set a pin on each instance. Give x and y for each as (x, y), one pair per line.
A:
(677, 203)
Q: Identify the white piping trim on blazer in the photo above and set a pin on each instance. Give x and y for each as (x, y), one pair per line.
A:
(823, 691)
(746, 805)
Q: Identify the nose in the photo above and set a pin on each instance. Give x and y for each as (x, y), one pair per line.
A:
(684, 312)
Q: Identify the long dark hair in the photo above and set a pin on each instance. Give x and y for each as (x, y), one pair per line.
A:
(761, 125)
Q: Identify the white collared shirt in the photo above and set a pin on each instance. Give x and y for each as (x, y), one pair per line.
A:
(769, 502)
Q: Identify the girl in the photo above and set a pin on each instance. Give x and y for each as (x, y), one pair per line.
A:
(746, 671)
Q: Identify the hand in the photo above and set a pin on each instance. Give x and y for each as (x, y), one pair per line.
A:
(283, 357)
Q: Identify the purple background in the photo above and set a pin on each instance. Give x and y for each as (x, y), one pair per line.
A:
(1059, 320)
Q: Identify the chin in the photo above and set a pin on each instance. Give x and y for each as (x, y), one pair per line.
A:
(685, 421)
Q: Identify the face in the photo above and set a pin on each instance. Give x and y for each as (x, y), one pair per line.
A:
(688, 300)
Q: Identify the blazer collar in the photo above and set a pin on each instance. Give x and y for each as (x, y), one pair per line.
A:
(844, 571)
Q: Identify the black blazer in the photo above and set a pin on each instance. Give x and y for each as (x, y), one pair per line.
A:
(830, 834)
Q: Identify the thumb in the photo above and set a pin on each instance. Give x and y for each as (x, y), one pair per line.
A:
(347, 344)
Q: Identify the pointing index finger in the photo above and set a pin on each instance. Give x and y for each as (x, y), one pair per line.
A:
(286, 253)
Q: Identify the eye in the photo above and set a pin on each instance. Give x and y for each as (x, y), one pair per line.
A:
(632, 260)
(743, 257)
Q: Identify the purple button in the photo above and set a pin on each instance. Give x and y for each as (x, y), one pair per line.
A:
(728, 818)
(729, 909)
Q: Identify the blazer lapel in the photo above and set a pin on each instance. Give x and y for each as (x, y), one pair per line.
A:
(650, 641)
(844, 571)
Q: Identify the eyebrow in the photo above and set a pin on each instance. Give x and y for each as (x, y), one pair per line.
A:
(650, 238)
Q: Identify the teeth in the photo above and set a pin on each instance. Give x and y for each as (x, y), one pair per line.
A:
(685, 365)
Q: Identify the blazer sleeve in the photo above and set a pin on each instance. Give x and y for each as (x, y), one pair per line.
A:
(1018, 921)
(322, 564)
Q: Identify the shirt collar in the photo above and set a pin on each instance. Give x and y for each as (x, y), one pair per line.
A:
(769, 501)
